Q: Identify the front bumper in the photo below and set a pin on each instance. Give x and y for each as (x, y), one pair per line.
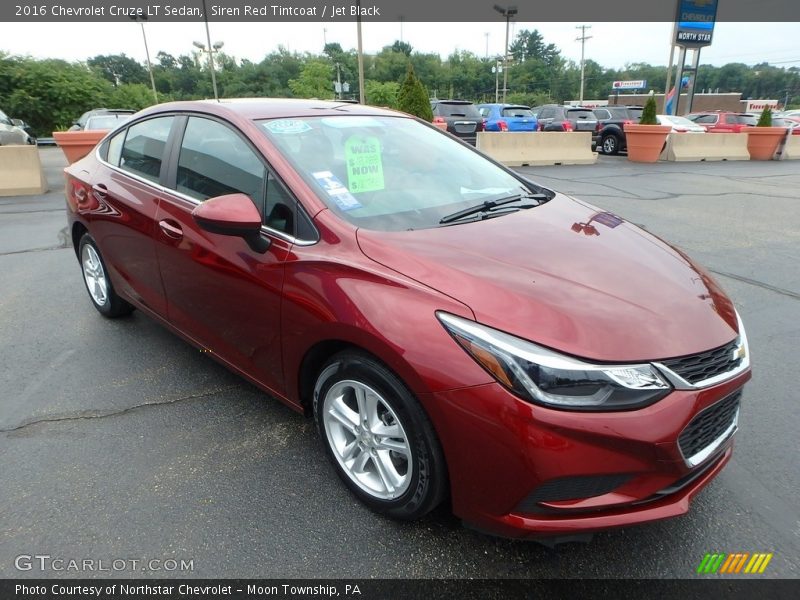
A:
(520, 470)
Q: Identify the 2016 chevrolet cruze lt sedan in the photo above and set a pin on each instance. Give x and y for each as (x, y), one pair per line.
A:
(456, 330)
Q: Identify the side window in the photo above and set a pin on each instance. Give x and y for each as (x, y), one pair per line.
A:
(215, 161)
(602, 114)
(115, 148)
(144, 146)
(706, 119)
(484, 112)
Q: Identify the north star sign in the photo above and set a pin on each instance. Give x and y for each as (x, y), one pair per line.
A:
(694, 22)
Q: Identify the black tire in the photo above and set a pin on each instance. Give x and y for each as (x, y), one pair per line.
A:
(103, 296)
(610, 144)
(422, 469)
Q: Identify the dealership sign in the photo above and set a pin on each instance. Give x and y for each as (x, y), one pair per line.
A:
(637, 84)
(694, 22)
(759, 105)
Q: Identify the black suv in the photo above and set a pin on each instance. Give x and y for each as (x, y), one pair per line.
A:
(609, 136)
(553, 117)
(463, 118)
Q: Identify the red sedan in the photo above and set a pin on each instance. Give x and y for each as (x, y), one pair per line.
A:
(454, 329)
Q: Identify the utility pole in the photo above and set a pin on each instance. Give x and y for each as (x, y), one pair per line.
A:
(507, 13)
(140, 19)
(361, 95)
(582, 40)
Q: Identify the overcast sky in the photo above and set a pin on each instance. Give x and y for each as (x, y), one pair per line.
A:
(611, 45)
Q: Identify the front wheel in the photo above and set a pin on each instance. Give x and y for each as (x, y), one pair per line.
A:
(378, 438)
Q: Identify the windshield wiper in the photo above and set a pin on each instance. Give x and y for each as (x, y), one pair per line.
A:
(487, 207)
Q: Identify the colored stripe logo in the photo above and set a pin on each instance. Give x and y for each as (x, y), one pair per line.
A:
(736, 563)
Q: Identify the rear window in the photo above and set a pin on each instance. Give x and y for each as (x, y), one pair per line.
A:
(580, 113)
(448, 109)
(517, 111)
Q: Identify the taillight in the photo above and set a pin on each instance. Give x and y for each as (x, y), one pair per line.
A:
(439, 120)
(599, 127)
(502, 125)
(440, 123)
(567, 126)
(627, 122)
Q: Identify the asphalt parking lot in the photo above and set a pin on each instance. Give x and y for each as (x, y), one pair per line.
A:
(120, 441)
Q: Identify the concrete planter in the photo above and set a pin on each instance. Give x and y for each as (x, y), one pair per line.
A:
(77, 144)
(762, 142)
(645, 142)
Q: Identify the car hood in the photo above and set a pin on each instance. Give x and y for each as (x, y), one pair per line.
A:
(568, 276)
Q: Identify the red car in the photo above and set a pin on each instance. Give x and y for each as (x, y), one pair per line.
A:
(723, 122)
(454, 329)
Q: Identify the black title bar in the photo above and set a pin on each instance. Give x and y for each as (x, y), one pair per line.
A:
(623, 11)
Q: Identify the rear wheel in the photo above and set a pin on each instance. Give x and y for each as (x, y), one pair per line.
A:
(378, 438)
(610, 144)
(95, 276)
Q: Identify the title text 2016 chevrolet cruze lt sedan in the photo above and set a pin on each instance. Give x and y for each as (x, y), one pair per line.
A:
(454, 329)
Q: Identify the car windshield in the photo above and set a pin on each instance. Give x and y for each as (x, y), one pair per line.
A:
(388, 173)
(517, 111)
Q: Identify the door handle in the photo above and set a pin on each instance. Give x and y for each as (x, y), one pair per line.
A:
(171, 229)
(100, 190)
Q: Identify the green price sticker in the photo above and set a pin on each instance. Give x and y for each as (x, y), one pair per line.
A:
(364, 165)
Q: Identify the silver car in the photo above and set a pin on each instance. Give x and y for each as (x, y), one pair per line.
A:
(10, 134)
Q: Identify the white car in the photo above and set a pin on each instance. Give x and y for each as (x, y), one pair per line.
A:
(680, 124)
(10, 134)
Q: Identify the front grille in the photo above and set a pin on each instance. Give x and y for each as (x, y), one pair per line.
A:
(705, 365)
(571, 488)
(709, 425)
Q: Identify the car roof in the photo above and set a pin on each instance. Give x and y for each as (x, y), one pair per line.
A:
(270, 108)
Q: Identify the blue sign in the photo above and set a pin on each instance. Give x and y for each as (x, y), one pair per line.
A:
(695, 22)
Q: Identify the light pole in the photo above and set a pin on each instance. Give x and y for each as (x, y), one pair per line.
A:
(141, 19)
(582, 40)
(507, 13)
(211, 50)
(361, 96)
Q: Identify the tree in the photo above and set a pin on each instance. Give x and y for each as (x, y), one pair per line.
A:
(315, 81)
(402, 47)
(765, 120)
(413, 97)
(382, 94)
(118, 69)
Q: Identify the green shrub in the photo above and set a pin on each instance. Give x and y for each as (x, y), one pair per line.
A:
(649, 112)
(765, 120)
(413, 97)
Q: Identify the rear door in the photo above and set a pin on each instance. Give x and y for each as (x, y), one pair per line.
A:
(127, 191)
(220, 292)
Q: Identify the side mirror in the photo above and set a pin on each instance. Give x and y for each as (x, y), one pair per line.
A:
(234, 215)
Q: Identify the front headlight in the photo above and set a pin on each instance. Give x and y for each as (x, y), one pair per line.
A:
(545, 377)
